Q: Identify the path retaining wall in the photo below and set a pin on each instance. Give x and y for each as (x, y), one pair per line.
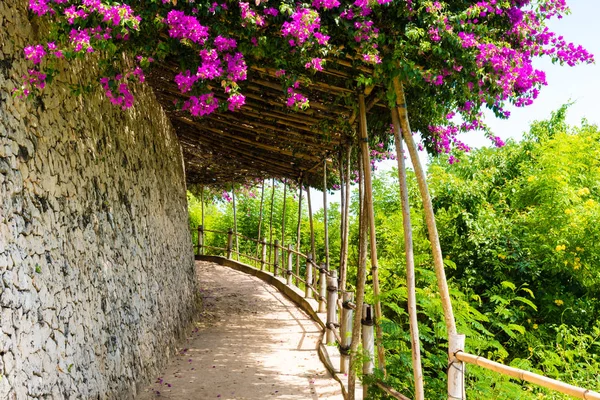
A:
(96, 263)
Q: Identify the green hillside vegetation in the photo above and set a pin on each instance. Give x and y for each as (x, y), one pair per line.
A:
(519, 227)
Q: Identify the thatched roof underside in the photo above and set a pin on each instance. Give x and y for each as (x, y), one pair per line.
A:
(265, 138)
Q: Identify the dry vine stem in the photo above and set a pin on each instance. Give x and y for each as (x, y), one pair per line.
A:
(455, 341)
(410, 262)
(364, 147)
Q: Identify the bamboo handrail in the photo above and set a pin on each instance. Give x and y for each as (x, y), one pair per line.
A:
(247, 238)
(528, 376)
(214, 248)
(214, 231)
(391, 391)
(461, 356)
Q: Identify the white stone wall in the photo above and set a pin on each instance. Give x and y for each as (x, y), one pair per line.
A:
(96, 263)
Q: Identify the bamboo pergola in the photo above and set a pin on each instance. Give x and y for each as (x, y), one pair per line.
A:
(265, 138)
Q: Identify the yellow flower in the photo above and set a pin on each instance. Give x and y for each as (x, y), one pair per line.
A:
(558, 302)
(590, 203)
(583, 192)
(560, 247)
(531, 179)
(569, 211)
(580, 249)
(535, 326)
(502, 256)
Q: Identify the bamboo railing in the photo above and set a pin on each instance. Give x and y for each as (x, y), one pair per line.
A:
(322, 285)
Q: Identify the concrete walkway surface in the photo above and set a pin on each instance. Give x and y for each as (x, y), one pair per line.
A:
(251, 342)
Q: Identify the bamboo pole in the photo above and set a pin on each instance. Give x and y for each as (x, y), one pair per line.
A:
(346, 331)
(229, 242)
(368, 344)
(455, 341)
(201, 240)
(438, 261)
(342, 203)
(326, 228)
(309, 277)
(361, 279)
(276, 257)
(260, 216)
(263, 258)
(332, 297)
(202, 203)
(237, 242)
(283, 213)
(290, 265)
(410, 262)
(271, 218)
(312, 230)
(323, 288)
(346, 216)
(298, 230)
(517, 373)
(364, 145)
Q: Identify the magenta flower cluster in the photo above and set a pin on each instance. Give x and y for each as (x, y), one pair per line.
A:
(492, 72)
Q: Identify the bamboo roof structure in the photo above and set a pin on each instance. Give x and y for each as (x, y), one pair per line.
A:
(265, 138)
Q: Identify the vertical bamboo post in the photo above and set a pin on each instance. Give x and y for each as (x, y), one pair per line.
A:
(410, 262)
(260, 215)
(276, 256)
(361, 278)
(364, 146)
(309, 277)
(202, 203)
(346, 331)
(312, 230)
(263, 258)
(368, 342)
(290, 265)
(346, 218)
(237, 243)
(342, 215)
(200, 240)
(322, 288)
(271, 219)
(229, 242)
(332, 297)
(298, 230)
(283, 213)
(346, 212)
(456, 368)
(326, 228)
(434, 240)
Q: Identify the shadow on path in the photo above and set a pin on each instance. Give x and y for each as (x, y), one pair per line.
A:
(250, 343)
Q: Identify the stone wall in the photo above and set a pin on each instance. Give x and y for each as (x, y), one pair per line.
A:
(96, 263)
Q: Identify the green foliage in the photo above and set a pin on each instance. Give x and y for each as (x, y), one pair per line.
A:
(518, 227)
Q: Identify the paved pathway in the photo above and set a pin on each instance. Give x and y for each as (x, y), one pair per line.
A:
(251, 343)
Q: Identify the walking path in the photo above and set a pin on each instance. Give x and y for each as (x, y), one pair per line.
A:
(250, 343)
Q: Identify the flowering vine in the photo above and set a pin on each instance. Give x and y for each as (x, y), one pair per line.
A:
(457, 57)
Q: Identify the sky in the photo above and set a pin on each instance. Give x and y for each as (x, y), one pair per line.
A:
(579, 84)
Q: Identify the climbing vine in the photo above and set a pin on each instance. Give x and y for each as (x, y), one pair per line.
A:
(458, 56)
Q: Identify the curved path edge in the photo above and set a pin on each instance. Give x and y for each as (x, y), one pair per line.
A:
(327, 354)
